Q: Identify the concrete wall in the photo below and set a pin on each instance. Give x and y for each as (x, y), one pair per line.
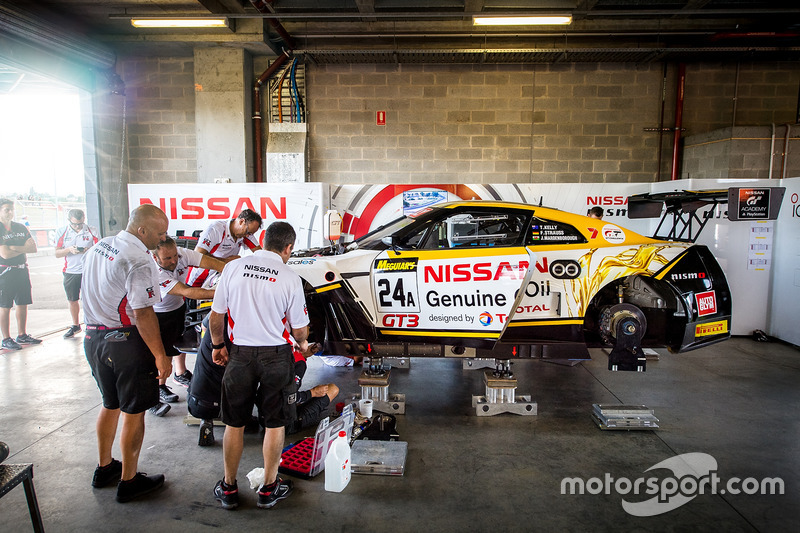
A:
(468, 123)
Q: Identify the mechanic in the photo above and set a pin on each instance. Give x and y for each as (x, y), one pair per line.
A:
(171, 311)
(596, 212)
(223, 240)
(205, 390)
(123, 345)
(72, 241)
(15, 279)
(263, 298)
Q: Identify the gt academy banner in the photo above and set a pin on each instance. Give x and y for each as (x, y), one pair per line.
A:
(193, 206)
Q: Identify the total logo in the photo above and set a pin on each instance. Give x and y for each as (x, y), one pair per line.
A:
(485, 319)
(613, 234)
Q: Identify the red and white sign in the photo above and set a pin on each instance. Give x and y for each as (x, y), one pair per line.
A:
(380, 118)
(706, 303)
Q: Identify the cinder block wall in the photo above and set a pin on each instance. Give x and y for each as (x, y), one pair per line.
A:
(160, 109)
(466, 123)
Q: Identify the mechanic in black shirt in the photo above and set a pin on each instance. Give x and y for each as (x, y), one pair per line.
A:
(15, 279)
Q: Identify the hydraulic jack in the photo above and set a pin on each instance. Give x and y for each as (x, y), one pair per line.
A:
(501, 397)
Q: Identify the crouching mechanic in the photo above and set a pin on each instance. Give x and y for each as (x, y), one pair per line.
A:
(259, 293)
(171, 311)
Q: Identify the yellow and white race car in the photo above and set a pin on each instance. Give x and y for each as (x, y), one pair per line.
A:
(506, 280)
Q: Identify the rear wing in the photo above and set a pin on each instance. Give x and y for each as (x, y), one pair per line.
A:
(680, 220)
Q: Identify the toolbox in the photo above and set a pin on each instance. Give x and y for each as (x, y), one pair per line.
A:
(306, 458)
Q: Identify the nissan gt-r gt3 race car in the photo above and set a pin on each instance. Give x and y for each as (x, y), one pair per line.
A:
(506, 280)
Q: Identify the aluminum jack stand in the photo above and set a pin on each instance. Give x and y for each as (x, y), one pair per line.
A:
(501, 397)
(374, 382)
(394, 362)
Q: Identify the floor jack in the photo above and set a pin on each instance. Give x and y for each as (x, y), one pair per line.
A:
(374, 382)
(500, 397)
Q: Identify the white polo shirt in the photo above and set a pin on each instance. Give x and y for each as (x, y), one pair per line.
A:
(85, 238)
(260, 293)
(119, 275)
(217, 240)
(167, 279)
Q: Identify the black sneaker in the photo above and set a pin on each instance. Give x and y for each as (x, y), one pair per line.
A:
(72, 331)
(227, 495)
(138, 485)
(105, 475)
(10, 344)
(206, 433)
(27, 339)
(183, 379)
(281, 491)
(166, 394)
(160, 409)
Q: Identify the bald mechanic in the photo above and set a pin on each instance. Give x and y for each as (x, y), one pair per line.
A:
(123, 345)
(171, 311)
(223, 240)
(260, 294)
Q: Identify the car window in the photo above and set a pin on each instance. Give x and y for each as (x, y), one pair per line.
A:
(475, 229)
(551, 232)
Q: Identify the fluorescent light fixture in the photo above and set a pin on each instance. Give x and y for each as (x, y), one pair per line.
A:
(180, 23)
(521, 20)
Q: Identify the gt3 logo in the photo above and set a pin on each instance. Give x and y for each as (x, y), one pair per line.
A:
(706, 303)
(401, 321)
(565, 269)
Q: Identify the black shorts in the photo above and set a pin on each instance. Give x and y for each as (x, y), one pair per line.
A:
(172, 324)
(15, 287)
(268, 369)
(72, 286)
(123, 367)
(310, 414)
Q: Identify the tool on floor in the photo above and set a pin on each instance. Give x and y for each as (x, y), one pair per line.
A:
(624, 417)
(306, 458)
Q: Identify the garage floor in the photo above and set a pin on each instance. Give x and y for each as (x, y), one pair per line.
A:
(736, 401)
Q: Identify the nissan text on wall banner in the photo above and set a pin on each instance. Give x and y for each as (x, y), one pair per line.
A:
(193, 206)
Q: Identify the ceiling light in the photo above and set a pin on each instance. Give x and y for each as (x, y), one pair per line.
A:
(521, 20)
(180, 23)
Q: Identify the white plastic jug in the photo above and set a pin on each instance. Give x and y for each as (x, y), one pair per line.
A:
(337, 464)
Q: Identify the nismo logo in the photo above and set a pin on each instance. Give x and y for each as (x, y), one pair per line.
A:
(396, 265)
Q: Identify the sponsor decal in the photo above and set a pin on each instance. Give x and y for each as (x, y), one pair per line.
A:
(396, 265)
(706, 303)
(565, 269)
(687, 275)
(474, 299)
(753, 203)
(401, 321)
(450, 318)
(613, 234)
(711, 328)
(207, 242)
(304, 261)
(151, 293)
(485, 319)
(551, 232)
(479, 271)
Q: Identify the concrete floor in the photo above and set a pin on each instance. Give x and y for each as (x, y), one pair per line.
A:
(735, 401)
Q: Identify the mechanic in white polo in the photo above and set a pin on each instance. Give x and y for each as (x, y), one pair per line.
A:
(263, 298)
(72, 241)
(173, 263)
(223, 240)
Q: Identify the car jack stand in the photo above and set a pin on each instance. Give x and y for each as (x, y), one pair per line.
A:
(374, 382)
(501, 386)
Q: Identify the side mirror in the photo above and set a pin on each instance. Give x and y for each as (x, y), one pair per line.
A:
(388, 241)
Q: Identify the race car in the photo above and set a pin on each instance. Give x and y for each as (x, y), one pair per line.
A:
(507, 280)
